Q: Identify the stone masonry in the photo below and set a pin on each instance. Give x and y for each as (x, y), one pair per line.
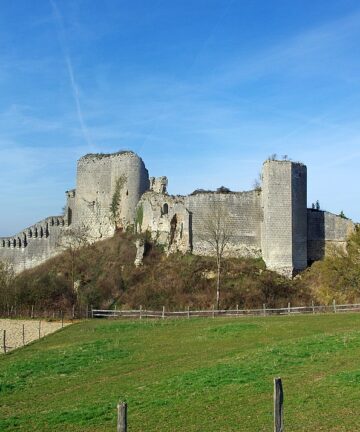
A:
(114, 192)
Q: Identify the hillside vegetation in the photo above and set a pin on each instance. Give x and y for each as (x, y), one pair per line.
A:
(103, 275)
(338, 275)
(187, 375)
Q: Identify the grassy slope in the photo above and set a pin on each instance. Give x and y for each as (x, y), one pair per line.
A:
(187, 375)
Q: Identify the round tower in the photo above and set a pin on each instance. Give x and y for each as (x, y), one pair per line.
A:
(108, 189)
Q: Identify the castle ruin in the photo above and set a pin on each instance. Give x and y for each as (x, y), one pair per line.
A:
(114, 191)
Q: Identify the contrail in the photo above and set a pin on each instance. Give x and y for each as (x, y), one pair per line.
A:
(70, 69)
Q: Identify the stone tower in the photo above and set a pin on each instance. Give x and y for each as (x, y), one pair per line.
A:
(103, 178)
(284, 226)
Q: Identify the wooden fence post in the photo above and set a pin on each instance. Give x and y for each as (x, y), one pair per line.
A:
(334, 305)
(312, 305)
(213, 311)
(62, 319)
(39, 329)
(122, 417)
(73, 311)
(264, 309)
(140, 312)
(23, 334)
(163, 313)
(188, 312)
(4, 341)
(237, 309)
(278, 406)
(289, 308)
(32, 311)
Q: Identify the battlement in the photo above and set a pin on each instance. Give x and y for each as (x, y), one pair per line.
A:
(41, 230)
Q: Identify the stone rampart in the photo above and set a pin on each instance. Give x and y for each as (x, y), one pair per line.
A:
(325, 231)
(34, 245)
(242, 214)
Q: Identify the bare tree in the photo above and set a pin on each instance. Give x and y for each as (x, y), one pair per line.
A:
(71, 241)
(7, 293)
(217, 234)
(257, 182)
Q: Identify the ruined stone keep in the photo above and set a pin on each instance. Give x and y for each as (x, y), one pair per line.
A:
(114, 191)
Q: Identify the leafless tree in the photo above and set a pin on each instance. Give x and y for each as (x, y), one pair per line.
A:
(7, 293)
(217, 234)
(71, 241)
(257, 182)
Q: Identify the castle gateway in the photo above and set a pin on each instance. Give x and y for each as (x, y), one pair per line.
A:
(114, 191)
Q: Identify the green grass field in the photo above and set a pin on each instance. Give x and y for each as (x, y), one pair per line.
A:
(187, 375)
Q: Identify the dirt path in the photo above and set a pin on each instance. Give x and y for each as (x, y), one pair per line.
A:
(14, 332)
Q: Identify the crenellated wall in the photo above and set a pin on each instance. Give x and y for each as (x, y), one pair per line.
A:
(33, 245)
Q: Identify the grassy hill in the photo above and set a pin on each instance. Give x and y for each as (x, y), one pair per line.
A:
(186, 375)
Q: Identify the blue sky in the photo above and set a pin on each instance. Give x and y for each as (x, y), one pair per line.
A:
(203, 90)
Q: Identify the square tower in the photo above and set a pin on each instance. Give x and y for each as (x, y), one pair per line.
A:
(284, 226)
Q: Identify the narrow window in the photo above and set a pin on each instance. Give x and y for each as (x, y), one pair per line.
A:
(69, 216)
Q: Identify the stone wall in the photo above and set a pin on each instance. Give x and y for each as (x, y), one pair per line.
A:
(167, 220)
(284, 227)
(299, 215)
(243, 214)
(177, 222)
(34, 245)
(326, 230)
